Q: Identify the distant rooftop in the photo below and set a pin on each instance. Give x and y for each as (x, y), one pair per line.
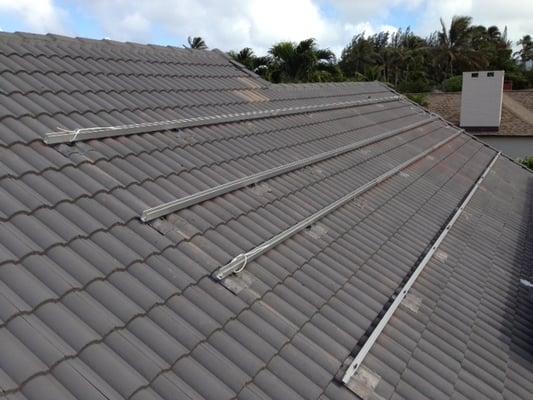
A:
(517, 112)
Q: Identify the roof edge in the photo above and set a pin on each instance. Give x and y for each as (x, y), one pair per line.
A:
(455, 126)
(19, 36)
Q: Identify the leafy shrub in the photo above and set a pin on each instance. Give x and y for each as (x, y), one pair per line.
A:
(453, 84)
(419, 98)
(529, 77)
(528, 162)
(414, 86)
(519, 80)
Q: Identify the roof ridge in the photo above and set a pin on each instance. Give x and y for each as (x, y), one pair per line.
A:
(241, 67)
(57, 38)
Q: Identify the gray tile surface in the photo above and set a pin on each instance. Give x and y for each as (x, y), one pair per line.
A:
(95, 304)
(471, 338)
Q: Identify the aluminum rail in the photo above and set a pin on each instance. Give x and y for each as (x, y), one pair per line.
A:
(365, 349)
(100, 132)
(240, 261)
(187, 201)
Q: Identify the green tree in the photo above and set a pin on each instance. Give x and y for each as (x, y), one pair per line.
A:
(254, 63)
(525, 53)
(302, 62)
(398, 58)
(196, 42)
(493, 45)
(454, 50)
(408, 62)
(358, 56)
(246, 57)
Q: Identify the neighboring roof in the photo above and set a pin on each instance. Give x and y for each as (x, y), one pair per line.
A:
(97, 304)
(514, 122)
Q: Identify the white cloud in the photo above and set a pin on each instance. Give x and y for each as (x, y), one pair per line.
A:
(233, 24)
(424, 15)
(368, 29)
(40, 16)
(353, 10)
(135, 25)
(228, 24)
(515, 14)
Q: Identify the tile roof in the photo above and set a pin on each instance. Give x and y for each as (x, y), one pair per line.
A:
(97, 304)
(512, 123)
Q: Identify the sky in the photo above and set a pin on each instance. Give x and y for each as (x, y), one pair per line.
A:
(234, 24)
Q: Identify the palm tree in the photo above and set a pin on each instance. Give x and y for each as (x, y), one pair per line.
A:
(374, 72)
(357, 56)
(526, 51)
(454, 45)
(409, 62)
(247, 58)
(302, 62)
(403, 54)
(196, 42)
(493, 45)
(494, 34)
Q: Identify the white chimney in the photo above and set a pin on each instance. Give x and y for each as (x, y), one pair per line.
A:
(481, 100)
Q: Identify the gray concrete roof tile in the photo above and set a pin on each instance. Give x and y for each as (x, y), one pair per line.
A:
(130, 310)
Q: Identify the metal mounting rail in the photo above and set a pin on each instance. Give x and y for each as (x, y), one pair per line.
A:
(100, 132)
(240, 261)
(187, 201)
(365, 349)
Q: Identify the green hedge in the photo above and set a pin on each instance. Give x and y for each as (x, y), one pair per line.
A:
(528, 162)
(519, 80)
(453, 84)
(420, 98)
